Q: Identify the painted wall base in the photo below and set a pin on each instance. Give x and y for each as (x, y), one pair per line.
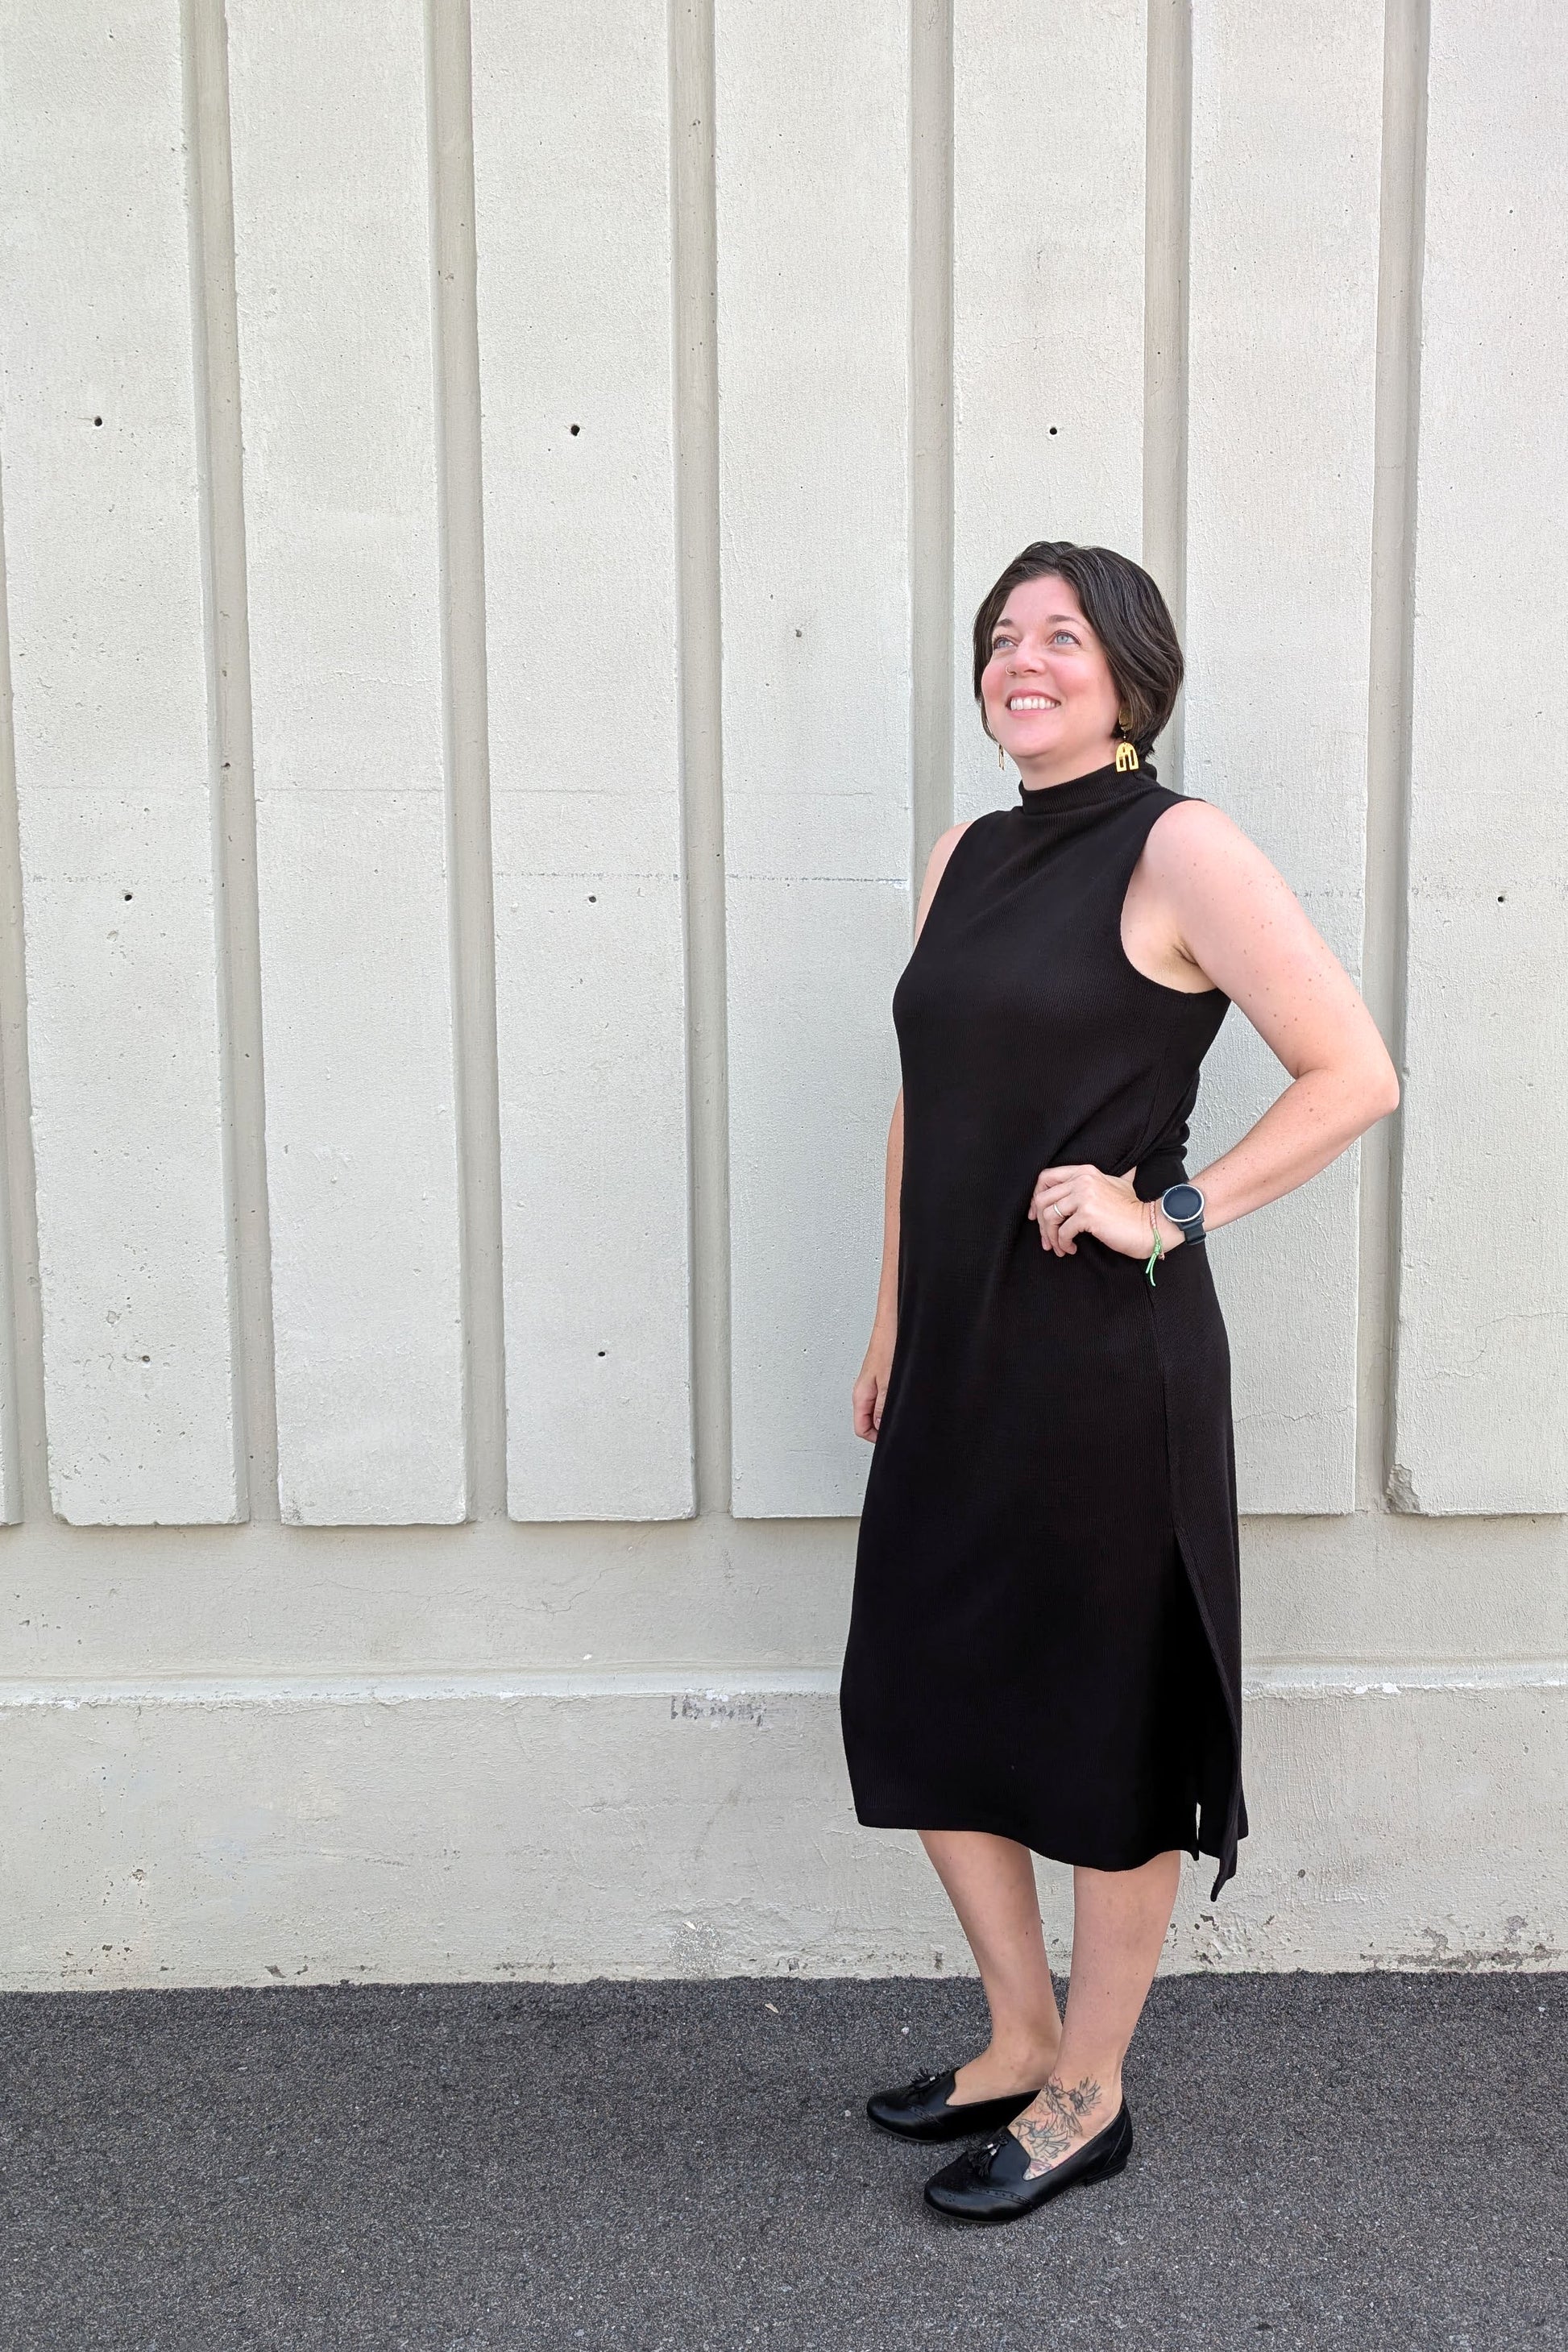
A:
(482, 1828)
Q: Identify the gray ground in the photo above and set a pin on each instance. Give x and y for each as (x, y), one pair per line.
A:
(1378, 2162)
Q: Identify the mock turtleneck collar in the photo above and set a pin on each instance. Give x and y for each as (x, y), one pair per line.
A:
(1074, 793)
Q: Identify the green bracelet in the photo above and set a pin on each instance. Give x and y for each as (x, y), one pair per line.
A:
(1158, 1252)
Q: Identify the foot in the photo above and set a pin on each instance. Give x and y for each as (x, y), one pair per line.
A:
(994, 2183)
(1066, 2114)
(1000, 2074)
(922, 2110)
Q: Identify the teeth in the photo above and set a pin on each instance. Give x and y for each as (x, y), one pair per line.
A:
(1033, 702)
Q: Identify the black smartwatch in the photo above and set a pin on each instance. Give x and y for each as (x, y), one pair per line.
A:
(1183, 1204)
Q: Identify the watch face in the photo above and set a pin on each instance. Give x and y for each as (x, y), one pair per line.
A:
(1183, 1203)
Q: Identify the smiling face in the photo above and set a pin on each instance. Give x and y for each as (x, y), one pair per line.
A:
(1049, 696)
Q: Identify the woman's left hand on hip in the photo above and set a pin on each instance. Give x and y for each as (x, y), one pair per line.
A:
(1070, 1201)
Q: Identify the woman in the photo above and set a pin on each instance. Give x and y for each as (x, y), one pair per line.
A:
(1044, 1651)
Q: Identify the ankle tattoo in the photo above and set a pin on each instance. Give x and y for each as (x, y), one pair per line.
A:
(1075, 2102)
(1049, 2136)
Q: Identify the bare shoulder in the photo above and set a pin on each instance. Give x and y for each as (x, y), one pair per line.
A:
(1196, 834)
(942, 848)
(1195, 855)
(1234, 915)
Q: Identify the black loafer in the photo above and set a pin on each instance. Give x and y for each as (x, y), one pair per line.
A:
(919, 2111)
(987, 2183)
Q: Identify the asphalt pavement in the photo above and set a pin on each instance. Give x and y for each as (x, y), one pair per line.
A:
(1376, 2161)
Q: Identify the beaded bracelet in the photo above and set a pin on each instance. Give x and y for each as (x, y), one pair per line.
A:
(1158, 1252)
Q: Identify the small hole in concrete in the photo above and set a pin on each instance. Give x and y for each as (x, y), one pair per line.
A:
(575, 430)
(98, 420)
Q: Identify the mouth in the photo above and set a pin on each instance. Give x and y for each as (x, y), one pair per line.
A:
(1032, 702)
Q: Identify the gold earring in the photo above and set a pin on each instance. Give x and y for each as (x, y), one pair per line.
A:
(1001, 757)
(1126, 753)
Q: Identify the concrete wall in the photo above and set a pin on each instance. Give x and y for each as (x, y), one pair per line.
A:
(492, 503)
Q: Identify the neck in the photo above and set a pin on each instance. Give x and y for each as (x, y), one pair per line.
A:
(1059, 767)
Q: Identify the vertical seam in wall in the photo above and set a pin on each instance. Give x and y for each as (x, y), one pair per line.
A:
(932, 650)
(694, 246)
(1391, 659)
(237, 914)
(470, 900)
(1166, 269)
(22, 1357)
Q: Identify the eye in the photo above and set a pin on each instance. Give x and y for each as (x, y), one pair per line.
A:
(1067, 634)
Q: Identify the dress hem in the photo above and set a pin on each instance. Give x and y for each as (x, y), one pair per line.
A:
(995, 1828)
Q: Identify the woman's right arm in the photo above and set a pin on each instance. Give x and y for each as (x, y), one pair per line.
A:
(871, 1386)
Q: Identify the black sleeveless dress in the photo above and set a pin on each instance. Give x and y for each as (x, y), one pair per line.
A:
(1045, 1638)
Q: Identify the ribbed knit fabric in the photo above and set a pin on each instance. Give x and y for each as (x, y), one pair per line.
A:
(1045, 1638)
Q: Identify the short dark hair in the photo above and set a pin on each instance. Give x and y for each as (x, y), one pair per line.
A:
(1125, 610)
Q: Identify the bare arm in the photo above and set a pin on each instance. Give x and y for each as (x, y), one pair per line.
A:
(1236, 920)
(1241, 923)
(887, 1314)
(871, 1386)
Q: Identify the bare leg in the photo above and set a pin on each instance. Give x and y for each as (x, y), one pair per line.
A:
(1119, 1918)
(990, 1882)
